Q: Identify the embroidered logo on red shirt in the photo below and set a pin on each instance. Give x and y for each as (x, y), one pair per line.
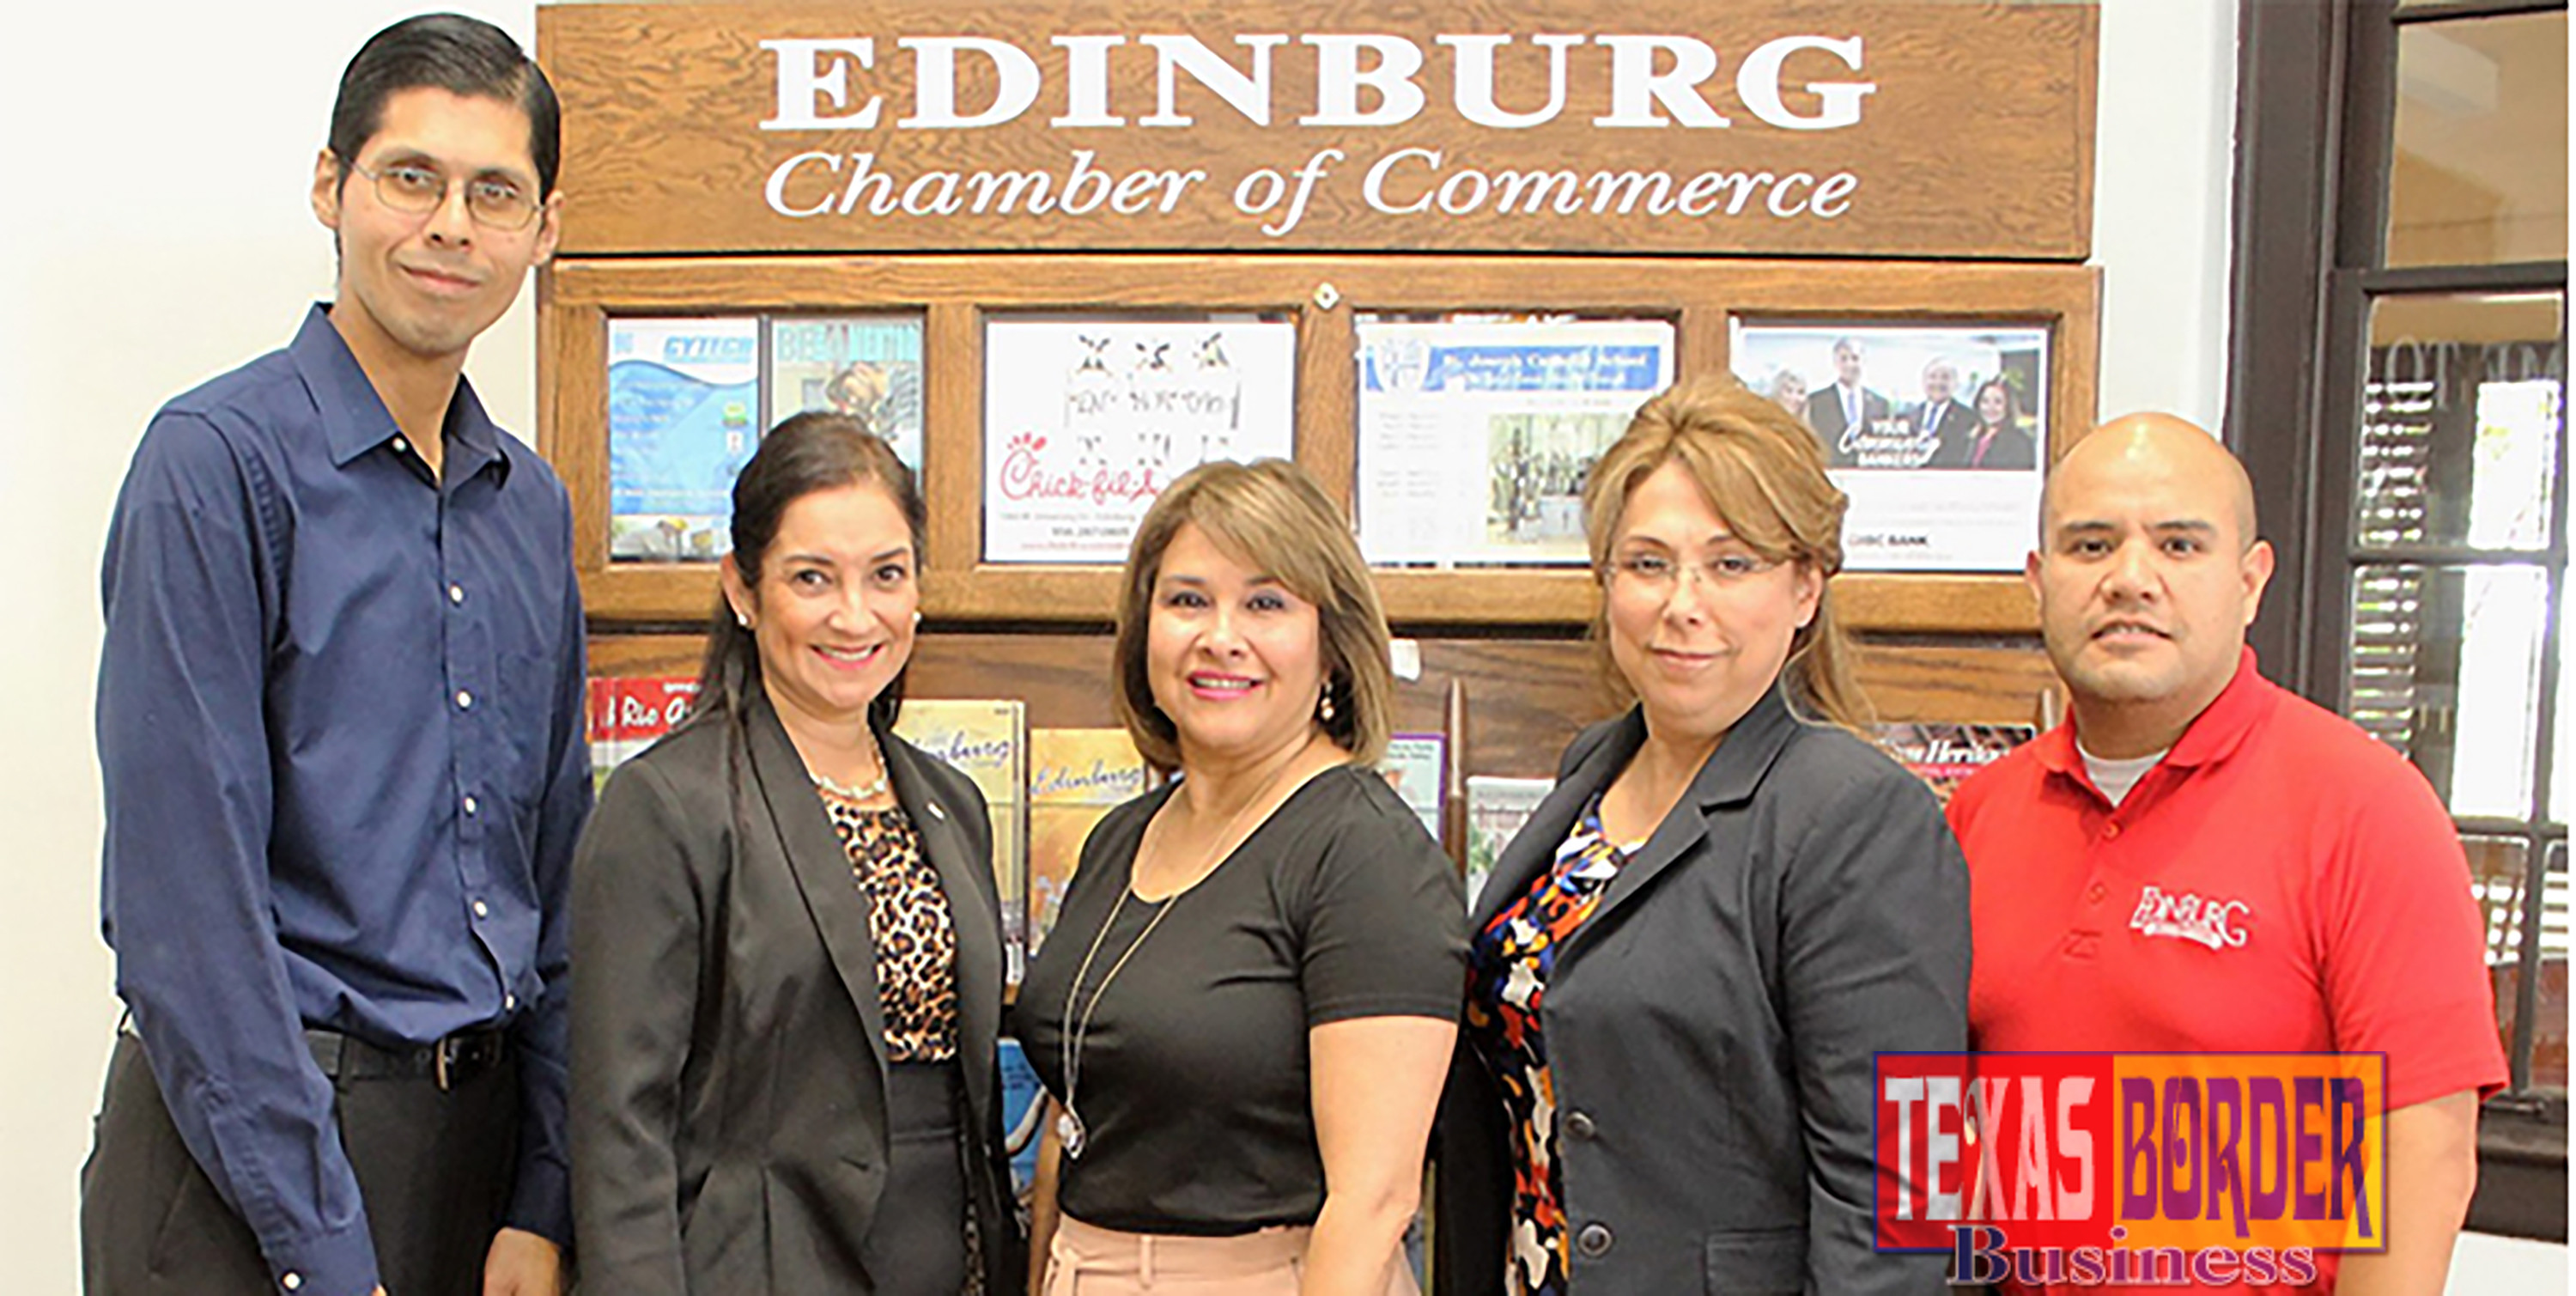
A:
(2218, 924)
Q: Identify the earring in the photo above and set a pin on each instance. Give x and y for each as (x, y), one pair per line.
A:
(1324, 705)
(741, 620)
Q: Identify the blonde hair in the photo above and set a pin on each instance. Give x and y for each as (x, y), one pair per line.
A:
(1764, 473)
(1269, 515)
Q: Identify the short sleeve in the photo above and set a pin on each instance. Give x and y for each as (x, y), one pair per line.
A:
(2404, 950)
(1385, 923)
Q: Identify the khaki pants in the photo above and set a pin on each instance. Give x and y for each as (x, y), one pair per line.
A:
(1086, 1260)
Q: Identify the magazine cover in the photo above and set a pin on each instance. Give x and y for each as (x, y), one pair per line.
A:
(987, 740)
(1496, 809)
(1944, 755)
(682, 397)
(1075, 776)
(630, 714)
(867, 367)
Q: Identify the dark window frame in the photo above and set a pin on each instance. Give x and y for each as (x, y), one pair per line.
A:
(2317, 93)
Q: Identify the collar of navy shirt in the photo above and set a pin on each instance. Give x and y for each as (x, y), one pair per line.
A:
(354, 418)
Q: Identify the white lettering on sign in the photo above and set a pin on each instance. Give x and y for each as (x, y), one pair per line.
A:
(1405, 182)
(1338, 81)
(1246, 92)
(934, 82)
(811, 68)
(1758, 84)
(1472, 80)
(1655, 81)
(1636, 87)
(1362, 80)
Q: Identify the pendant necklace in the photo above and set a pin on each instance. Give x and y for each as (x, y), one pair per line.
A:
(1070, 1132)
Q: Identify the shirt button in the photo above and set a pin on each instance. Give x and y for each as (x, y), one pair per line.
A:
(2096, 892)
(455, 593)
(2110, 831)
(1580, 1126)
(400, 447)
(464, 700)
(291, 1282)
(1594, 1240)
(482, 910)
(509, 1003)
(471, 805)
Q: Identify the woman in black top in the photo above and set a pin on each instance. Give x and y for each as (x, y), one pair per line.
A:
(1252, 991)
(1687, 958)
(784, 1074)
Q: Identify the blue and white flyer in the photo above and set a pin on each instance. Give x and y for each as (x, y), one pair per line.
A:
(683, 405)
(1475, 435)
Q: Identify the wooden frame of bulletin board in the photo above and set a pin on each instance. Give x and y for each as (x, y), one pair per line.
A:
(1323, 295)
(1887, 164)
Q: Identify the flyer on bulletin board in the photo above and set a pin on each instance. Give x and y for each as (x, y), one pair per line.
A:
(683, 397)
(1415, 765)
(1937, 431)
(1087, 420)
(867, 367)
(1475, 436)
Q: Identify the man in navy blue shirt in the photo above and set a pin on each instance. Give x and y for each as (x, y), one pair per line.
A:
(340, 726)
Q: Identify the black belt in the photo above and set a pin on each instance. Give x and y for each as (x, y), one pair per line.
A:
(450, 1062)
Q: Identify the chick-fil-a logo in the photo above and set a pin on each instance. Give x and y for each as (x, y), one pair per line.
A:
(1025, 476)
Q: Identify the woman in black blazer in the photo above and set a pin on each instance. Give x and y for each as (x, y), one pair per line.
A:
(1683, 965)
(784, 1074)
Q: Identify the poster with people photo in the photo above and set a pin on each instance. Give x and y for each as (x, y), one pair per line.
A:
(1937, 432)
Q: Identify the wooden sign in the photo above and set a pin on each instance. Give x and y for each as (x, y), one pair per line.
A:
(1889, 129)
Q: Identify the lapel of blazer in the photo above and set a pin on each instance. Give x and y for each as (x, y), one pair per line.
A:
(1533, 848)
(1729, 778)
(820, 865)
(973, 907)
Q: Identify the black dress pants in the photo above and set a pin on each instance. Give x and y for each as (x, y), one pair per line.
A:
(434, 1168)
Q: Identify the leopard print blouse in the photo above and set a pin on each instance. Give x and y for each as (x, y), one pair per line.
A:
(909, 919)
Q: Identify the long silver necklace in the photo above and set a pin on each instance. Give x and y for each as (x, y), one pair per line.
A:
(1070, 1132)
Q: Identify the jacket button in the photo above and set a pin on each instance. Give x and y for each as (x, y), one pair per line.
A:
(1594, 1240)
(1580, 1125)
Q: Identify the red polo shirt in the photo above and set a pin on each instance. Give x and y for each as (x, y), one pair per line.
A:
(2280, 882)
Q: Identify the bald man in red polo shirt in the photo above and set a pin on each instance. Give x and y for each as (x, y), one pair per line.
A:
(2201, 861)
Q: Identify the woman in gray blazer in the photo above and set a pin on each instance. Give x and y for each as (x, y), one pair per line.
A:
(1682, 966)
(784, 1075)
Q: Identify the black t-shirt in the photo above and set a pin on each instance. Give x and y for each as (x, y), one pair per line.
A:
(1194, 1087)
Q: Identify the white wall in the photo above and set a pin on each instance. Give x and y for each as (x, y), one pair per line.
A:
(2163, 159)
(156, 233)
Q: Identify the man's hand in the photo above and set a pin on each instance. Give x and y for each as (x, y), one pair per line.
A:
(522, 1264)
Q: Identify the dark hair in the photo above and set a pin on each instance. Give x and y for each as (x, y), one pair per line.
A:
(1270, 514)
(2012, 403)
(809, 452)
(462, 56)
